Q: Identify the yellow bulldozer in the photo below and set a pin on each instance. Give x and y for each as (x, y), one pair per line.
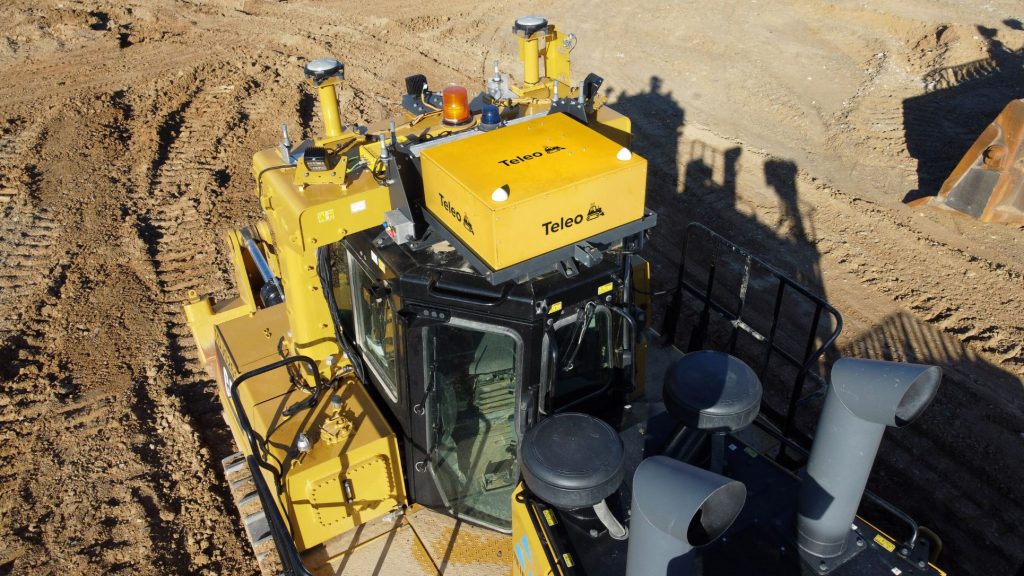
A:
(440, 359)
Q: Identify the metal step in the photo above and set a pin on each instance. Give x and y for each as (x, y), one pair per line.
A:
(250, 509)
(248, 499)
(236, 467)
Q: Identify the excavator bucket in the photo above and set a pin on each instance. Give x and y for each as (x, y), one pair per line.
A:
(988, 183)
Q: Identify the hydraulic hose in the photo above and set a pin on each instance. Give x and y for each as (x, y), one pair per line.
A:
(326, 287)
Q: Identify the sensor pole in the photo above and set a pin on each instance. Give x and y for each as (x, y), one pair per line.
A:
(529, 30)
(326, 74)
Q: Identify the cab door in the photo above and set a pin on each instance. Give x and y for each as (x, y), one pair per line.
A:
(378, 335)
(471, 369)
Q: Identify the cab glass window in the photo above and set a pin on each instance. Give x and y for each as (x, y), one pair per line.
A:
(341, 287)
(472, 372)
(375, 329)
(589, 367)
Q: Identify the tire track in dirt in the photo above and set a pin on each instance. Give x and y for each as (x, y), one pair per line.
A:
(946, 277)
(177, 223)
(46, 400)
(174, 398)
(27, 231)
(62, 80)
(133, 439)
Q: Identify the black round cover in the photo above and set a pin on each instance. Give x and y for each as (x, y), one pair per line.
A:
(572, 460)
(712, 391)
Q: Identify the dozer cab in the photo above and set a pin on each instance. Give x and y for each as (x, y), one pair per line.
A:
(440, 361)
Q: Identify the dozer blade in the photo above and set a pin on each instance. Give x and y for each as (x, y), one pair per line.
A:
(988, 183)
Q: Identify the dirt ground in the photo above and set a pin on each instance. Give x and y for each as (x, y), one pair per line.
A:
(795, 128)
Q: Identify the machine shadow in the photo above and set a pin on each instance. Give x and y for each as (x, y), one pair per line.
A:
(757, 206)
(958, 103)
(767, 219)
(973, 423)
(658, 122)
(720, 188)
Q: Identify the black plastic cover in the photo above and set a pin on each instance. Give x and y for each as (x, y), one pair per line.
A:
(572, 460)
(712, 391)
(415, 84)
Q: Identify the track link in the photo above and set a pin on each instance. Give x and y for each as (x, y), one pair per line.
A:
(250, 510)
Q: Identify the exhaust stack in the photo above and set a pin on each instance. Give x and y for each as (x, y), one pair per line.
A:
(677, 507)
(326, 74)
(865, 396)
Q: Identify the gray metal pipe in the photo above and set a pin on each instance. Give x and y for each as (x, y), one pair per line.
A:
(677, 507)
(864, 397)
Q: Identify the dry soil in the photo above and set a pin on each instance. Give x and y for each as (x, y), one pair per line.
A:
(794, 127)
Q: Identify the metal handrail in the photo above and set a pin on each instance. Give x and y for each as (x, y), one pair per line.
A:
(286, 550)
(805, 366)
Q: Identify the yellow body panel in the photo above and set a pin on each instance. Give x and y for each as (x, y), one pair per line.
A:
(352, 445)
(351, 475)
(304, 213)
(528, 557)
(204, 314)
(557, 64)
(327, 94)
(564, 181)
(614, 126)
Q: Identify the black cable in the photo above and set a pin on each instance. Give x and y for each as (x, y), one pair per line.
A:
(375, 171)
(259, 177)
(243, 418)
(324, 271)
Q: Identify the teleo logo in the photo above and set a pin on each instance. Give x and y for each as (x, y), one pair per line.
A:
(447, 206)
(551, 226)
(531, 155)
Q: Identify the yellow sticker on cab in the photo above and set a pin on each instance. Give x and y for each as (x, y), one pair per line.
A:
(325, 216)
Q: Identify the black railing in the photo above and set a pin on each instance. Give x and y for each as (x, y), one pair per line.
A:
(815, 342)
(291, 562)
(826, 323)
